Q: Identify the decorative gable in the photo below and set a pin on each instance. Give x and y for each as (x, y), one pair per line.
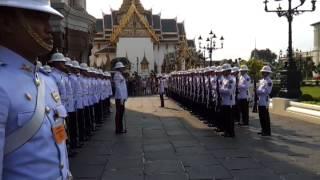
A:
(133, 24)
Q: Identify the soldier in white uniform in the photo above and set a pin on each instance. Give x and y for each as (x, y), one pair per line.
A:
(109, 91)
(161, 89)
(235, 107)
(32, 132)
(243, 94)
(219, 116)
(263, 92)
(227, 91)
(77, 95)
(212, 97)
(121, 96)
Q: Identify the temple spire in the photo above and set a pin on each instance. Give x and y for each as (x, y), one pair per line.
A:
(127, 3)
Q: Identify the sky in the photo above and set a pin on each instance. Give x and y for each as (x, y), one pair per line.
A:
(243, 23)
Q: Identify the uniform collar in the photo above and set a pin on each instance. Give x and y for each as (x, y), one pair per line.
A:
(12, 59)
(267, 78)
(59, 71)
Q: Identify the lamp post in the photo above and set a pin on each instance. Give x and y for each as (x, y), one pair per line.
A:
(200, 51)
(212, 44)
(290, 84)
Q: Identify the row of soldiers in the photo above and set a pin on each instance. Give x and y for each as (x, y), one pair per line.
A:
(85, 94)
(221, 95)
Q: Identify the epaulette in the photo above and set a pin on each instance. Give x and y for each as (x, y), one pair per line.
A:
(42, 71)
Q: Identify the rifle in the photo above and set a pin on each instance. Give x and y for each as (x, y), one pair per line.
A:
(203, 88)
(237, 88)
(255, 104)
(218, 105)
(210, 100)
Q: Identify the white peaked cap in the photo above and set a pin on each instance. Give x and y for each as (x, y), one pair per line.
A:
(219, 69)
(57, 57)
(235, 69)
(266, 69)
(226, 67)
(35, 5)
(75, 64)
(244, 68)
(84, 66)
(119, 65)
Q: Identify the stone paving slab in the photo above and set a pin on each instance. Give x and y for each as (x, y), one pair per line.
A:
(171, 143)
(240, 163)
(208, 172)
(164, 166)
(167, 177)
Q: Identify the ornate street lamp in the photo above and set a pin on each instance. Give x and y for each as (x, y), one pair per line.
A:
(202, 55)
(212, 44)
(289, 83)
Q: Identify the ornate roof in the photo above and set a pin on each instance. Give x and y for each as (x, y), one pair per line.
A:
(125, 21)
(118, 22)
(181, 29)
(144, 60)
(107, 20)
(169, 25)
(156, 21)
(99, 25)
(126, 4)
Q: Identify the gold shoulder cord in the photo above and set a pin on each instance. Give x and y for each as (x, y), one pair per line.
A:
(33, 34)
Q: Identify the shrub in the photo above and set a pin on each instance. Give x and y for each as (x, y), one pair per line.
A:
(306, 97)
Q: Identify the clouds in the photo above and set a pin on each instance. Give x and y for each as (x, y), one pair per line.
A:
(241, 22)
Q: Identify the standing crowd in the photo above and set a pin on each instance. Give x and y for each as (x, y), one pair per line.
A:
(221, 95)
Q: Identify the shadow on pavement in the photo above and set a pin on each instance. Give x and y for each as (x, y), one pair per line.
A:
(169, 147)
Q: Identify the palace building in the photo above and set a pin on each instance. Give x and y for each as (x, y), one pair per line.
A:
(140, 36)
(73, 35)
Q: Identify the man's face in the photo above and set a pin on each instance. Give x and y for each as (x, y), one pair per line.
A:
(243, 72)
(227, 73)
(61, 66)
(75, 70)
(235, 73)
(39, 23)
(26, 32)
(265, 74)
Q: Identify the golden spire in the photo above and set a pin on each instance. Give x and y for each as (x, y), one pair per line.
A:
(132, 11)
(127, 3)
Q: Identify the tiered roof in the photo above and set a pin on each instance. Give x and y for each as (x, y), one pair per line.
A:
(161, 30)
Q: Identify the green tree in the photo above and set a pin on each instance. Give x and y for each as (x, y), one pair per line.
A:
(255, 66)
(266, 55)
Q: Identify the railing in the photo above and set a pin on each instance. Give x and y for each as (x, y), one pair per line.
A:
(285, 107)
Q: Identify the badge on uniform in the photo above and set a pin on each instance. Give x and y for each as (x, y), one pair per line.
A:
(59, 132)
(55, 95)
(269, 84)
(28, 96)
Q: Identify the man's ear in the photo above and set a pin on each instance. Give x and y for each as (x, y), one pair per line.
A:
(7, 21)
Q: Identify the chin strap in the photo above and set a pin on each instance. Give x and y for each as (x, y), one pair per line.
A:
(33, 34)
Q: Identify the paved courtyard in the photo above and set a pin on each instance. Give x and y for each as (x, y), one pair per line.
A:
(171, 144)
